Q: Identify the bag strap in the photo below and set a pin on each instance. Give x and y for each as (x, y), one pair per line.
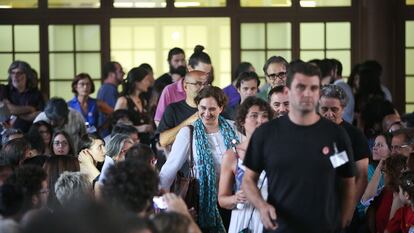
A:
(251, 215)
(192, 175)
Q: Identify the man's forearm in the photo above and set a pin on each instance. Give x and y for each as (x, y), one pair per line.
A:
(361, 181)
(168, 136)
(20, 110)
(249, 186)
(348, 200)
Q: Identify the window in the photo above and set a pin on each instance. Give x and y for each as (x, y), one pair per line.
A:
(18, 4)
(409, 2)
(140, 3)
(135, 41)
(326, 40)
(266, 3)
(15, 46)
(325, 3)
(409, 69)
(259, 41)
(74, 3)
(200, 3)
(73, 49)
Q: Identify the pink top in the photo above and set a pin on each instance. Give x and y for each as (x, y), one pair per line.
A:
(171, 94)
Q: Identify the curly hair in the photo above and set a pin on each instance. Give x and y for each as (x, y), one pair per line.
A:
(211, 91)
(394, 166)
(131, 184)
(244, 108)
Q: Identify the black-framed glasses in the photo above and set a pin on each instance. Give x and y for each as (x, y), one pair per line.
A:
(199, 84)
(399, 147)
(274, 76)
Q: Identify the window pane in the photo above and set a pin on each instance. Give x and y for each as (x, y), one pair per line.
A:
(409, 108)
(409, 61)
(312, 36)
(409, 93)
(125, 58)
(97, 84)
(265, 3)
(344, 57)
(309, 55)
(26, 38)
(18, 3)
(223, 79)
(60, 38)
(74, 3)
(286, 54)
(6, 38)
(121, 37)
(31, 58)
(144, 37)
(61, 89)
(225, 36)
(61, 66)
(5, 61)
(144, 56)
(338, 35)
(88, 37)
(89, 63)
(409, 2)
(278, 35)
(173, 36)
(256, 58)
(323, 3)
(139, 3)
(200, 3)
(191, 40)
(252, 36)
(409, 33)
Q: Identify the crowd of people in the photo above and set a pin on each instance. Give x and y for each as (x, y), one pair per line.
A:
(306, 151)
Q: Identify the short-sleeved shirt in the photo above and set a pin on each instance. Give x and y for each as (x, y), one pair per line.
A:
(163, 81)
(91, 116)
(359, 142)
(403, 221)
(303, 183)
(171, 94)
(109, 94)
(30, 97)
(174, 114)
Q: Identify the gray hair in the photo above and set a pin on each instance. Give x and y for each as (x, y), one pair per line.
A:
(72, 186)
(115, 144)
(336, 92)
(26, 69)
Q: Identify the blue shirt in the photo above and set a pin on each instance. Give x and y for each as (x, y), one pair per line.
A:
(91, 116)
(232, 94)
(109, 94)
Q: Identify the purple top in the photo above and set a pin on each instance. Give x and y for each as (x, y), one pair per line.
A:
(171, 94)
(232, 94)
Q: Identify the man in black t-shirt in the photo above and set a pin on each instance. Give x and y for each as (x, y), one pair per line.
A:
(182, 113)
(176, 59)
(332, 104)
(311, 183)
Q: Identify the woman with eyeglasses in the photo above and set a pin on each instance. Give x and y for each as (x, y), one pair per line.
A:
(61, 144)
(88, 107)
(45, 130)
(252, 113)
(380, 151)
(208, 140)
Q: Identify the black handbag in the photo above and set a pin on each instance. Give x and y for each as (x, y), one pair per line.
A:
(187, 187)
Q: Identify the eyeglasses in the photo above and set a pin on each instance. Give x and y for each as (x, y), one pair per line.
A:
(62, 143)
(84, 84)
(17, 73)
(199, 84)
(274, 76)
(379, 145)
(44, 191)
(399, 147)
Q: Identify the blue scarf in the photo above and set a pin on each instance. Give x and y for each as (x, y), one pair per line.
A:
(209, 217)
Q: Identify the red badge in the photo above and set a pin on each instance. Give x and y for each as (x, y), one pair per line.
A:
(325, 150)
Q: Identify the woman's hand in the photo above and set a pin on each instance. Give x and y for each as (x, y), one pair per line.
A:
(86, 164)
(144, 128)
(240, 197)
